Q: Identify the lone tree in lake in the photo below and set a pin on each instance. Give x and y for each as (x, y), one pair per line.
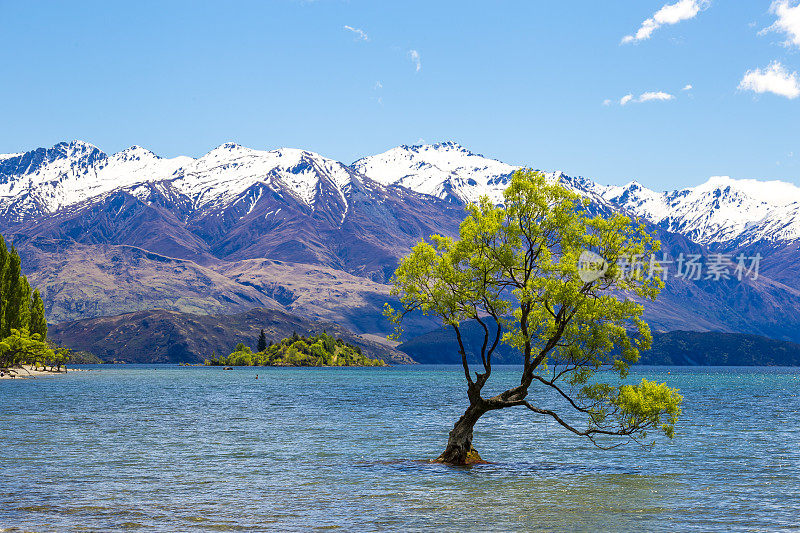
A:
(515, 270)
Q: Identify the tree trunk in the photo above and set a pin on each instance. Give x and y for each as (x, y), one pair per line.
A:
(459, 449)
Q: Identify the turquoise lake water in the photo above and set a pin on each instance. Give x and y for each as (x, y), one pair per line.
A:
(162, 448)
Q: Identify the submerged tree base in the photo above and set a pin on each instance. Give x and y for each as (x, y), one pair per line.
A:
(472, 457)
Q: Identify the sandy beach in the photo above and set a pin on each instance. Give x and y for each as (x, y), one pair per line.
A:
(27, 371)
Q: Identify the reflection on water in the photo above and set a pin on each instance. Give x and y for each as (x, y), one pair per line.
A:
(183, 449)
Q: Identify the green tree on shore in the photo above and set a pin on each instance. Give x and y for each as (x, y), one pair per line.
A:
(15, 311)
(19, 309)
(38, 323)
(3, 295)
(23, 326)
(23, 309)
(262, 341)
(21, 348)
(518, 266)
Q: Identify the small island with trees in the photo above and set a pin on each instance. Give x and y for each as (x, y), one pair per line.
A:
(298, 350)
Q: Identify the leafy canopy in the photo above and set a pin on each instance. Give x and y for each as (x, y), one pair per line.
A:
(515, 270)
(20, 348)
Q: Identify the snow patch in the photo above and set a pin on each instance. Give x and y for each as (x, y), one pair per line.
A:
(442, 170)
(722, 209)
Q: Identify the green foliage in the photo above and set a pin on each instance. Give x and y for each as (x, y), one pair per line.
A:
(12, 288)
(297, 350)
(38, 324)
(262, 341)
(21, 348)
(80, 357)
(24, 299)
(3, 293)
(518, 264)
(649, 403)
(18, 308)
(23, 327)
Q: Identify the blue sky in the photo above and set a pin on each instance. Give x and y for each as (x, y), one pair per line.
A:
(535, 83)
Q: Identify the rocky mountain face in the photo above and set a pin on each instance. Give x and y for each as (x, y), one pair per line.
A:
(159, 336)
(722, 211)
(232, 204)
(40, 182)
(292, 230)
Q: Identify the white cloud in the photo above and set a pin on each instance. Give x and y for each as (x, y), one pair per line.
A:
(788, 21)
(648, 96)
(668, 14)
(606, 102)
(773, 79)
(361, 35)
(415, 58)
(687, 87)
(655, 95)
(378, 85)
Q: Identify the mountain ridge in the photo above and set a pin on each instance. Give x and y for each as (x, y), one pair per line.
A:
(235, 219)
(722, 210)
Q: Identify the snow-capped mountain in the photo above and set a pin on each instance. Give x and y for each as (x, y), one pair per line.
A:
(445, 170)
(722, 210)
(227, 171)
(451, 172)
(173, 232)
(232, 203)
(43, 181)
